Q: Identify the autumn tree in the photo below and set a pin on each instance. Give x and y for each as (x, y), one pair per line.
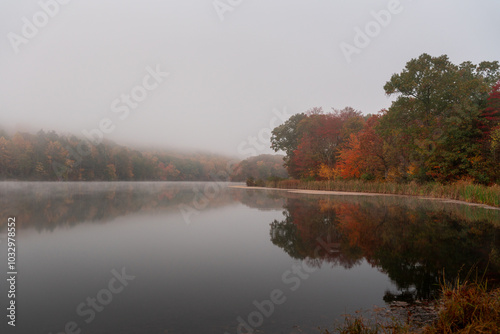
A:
(489, 124)
(167, 173)
(437, 108)
(22, 150)
(317, 137)
(364, 153)
(490, 116)
(5, 157)
(120, 157)
(49, 156)
(351, 162)
(319, 144)
(56, 157)
(351, 124)
(495, 147)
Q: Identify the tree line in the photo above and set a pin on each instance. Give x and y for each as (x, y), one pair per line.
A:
(260, 167)
(48, 156)
(444, 126)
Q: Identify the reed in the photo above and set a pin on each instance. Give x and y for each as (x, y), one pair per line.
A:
(462, 190)
(467, 306)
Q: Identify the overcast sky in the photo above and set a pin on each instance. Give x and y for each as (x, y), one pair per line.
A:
(232, 64)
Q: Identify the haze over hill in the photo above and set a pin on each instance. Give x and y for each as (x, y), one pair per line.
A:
(198, 75)
(48, 156)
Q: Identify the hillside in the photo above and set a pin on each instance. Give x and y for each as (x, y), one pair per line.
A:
(260, 167)
(48, 156)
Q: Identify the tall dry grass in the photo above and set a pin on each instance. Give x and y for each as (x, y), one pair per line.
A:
(465, 307)
(468, 308)
(462, 190)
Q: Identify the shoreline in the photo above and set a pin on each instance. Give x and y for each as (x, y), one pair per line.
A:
(354, 193)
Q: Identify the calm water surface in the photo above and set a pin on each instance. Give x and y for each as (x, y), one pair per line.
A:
(161, 258)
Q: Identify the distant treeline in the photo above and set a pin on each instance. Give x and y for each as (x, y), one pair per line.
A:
(50, 156)
(443, 126)
(260, 167)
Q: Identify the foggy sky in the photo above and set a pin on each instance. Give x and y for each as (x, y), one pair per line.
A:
(230, 69)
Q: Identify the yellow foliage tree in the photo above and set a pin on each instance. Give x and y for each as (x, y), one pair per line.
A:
(327, 172)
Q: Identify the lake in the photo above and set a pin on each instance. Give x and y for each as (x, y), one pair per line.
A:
(155, 257)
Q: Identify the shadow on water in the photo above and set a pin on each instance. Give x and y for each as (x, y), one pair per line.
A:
(415, 242)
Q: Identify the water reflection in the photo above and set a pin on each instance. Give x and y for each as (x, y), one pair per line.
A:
(49, 205)
(214, 269)
(46, 206)
(412, 241)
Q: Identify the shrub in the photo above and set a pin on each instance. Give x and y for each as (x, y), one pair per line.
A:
(367, 177)
(260, 183)
(250, 182)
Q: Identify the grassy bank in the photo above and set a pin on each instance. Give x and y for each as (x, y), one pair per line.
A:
(462, 190)
(464, 308)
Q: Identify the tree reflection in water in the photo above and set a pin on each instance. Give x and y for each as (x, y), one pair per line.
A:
(414, 242)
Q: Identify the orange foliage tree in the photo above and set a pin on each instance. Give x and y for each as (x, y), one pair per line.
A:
(364, 152)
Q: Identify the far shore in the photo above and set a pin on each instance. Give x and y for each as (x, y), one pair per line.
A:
(353, 193)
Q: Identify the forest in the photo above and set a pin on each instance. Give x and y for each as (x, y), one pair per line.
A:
(48, 156)
(260, 167)
(443, 126)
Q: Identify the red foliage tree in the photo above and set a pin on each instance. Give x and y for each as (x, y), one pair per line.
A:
(318, 146)
(490, 116)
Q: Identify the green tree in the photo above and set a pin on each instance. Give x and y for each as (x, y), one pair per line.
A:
(286, 137)
(437, 112)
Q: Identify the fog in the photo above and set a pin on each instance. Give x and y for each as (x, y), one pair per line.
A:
(235, 68)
